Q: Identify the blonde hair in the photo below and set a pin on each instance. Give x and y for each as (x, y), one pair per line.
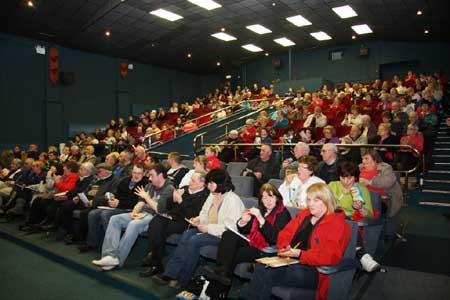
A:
(201, 159)
(322, 192)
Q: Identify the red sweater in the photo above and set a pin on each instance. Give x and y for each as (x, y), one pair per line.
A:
(328, 242)
(213, 163)
(68, 183)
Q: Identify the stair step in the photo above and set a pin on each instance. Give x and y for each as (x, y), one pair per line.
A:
(437, 180)
(436, 191)
(442, 149)
(439, 204)
(440, 155)
(439, 171)
(443, 137)
(442, 143)
(442, 163)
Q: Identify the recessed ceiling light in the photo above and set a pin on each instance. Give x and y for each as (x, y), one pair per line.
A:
(345, 11)
(299, 21)
(224, 36)
(165, 14)
(266, 54)
(107, 33)
(419, 12)
(222, 29)
(320, 35)
(426, 31)
(206, 4)
(259, 29)
(252, 48)
(218, 64)
(362, 29)
(285, 42)
(30, 3)
(189, 55)
(353, 37)
(274, 4)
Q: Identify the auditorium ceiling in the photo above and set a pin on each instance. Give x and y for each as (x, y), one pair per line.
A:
(186, 44)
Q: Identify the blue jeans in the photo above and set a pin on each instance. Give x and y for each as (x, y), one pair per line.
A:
(118, 247)
(264, 279)
(182, 264)
(98, 220)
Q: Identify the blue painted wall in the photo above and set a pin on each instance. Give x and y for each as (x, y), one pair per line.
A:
(34, 111)
(315, 63)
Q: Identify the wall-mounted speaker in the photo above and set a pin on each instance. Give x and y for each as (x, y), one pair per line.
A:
(67, 78)
(364, 51)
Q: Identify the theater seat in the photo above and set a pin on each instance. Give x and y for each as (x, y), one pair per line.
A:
(188, 163)
(341, 276)
(236, 168)
(243, 185)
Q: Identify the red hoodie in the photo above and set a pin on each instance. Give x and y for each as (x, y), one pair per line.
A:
(328, 242)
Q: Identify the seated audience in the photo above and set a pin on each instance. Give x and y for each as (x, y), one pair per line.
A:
(331, 234)
(187, 203)
(353, 118)
(317, 119)
(328, 166)
(379, 176)
(200, 165)
(154, 199)
(211, 156)
(176, 171)
(384, 137)
(406, 159)
(356, 208)
(261, 225)
(221, 209)
(294, 187)
(291, 161)
(329, 135)
(354, 137)
(262, 168)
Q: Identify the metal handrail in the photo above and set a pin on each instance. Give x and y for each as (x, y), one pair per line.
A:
(209, 114)
(166, 153)
(282, 145)
(226, 125)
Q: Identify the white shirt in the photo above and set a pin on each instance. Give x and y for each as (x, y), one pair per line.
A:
(295, 193)
(186, 179)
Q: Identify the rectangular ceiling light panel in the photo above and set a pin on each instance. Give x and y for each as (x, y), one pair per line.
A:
(206, 4)
(345, 11)
(259, 29)
(224, 36)
(321, 36)
(252, 48)
(165, 14)
(362, 29)
(299, 21)
(285, 42)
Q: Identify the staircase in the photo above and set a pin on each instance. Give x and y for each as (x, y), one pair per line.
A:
(436, 184)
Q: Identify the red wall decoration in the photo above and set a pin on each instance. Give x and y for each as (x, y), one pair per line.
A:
(123, 70)
(53, 66)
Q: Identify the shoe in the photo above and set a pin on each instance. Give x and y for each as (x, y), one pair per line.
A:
(147, 260)
(216, 275)
(108, 268)
(69, 239)
(106, 261)
(151, 271)
(84, 248)
(368, 263)
(162, 279)
(32, 229)
(49, 227)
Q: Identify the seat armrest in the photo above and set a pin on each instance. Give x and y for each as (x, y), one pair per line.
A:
(346, 264)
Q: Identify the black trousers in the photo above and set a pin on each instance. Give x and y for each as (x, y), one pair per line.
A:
(65, 215)
(38, 210)
(234, 250)
(158, 230)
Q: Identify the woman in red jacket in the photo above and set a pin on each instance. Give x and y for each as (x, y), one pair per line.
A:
(43, 209)
(260, 225)
(317, 236)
